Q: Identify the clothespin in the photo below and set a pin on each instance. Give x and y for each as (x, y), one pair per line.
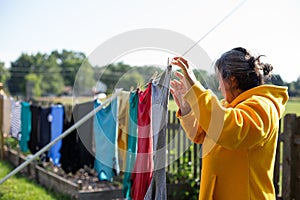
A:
(138, 86)
(169, 66)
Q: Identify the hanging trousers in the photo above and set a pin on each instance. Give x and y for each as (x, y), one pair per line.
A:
(160, 98)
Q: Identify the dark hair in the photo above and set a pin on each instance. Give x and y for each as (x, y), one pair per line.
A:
(245, 67)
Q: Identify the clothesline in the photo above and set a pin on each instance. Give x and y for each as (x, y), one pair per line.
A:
(144, 136)
(64, 134)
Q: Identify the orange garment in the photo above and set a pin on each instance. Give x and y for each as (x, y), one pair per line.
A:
(123, 115)
(239, 140)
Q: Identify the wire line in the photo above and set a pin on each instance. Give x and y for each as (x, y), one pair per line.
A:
(214, 27)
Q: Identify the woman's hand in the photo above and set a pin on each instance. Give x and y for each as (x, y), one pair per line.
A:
(178, 90)
(188, 78)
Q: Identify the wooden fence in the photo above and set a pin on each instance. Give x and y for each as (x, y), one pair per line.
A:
(181, 151)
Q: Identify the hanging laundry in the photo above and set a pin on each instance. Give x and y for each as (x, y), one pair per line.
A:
(45, 130)
(105, 127)
(160, 98)
(142, 172)
(25, 126)
(85, 133)
(70, 150)
(131, 144)
(35, 129)
(57, 117)
(15, 129)
(123, 115)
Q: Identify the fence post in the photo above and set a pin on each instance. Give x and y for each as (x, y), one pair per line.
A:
(277, 161)
(296, 161)
(289, 130)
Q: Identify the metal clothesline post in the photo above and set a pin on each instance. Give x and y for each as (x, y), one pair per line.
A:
(64, 134)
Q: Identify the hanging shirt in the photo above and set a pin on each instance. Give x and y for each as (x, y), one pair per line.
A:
(85, 133)
(70, 150)
(45, 127)
(35, 129)
(25, 126)
(15, 129)
(57, 113)
(105, 128)
(142, 172)
(160, 98)
(45, 131)
(131, 144)
(123, 115)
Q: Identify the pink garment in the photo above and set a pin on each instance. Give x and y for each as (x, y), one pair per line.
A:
(142, 171)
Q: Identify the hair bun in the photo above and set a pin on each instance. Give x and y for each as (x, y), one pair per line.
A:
(267, 68)
(241, 49)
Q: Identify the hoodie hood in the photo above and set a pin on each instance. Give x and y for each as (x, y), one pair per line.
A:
(277, 94)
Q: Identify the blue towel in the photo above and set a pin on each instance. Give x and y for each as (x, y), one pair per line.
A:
(105, 130)
(57, 115)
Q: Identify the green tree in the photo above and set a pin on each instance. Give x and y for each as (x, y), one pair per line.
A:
(35, 81)
(147, 71)
(130, 80)
(45, 68)
(275, 79)
(18, 70)
(85, 81)
(69, 62)
(51, 80)
(111, 74)
(294, 88)
(4, 73)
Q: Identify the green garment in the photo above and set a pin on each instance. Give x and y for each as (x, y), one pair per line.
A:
(25, 126)
(132, 143)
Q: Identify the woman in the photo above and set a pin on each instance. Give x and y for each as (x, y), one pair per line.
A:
(239, 134)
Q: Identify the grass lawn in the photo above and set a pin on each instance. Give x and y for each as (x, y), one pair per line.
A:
(18, 187)
(293, 106)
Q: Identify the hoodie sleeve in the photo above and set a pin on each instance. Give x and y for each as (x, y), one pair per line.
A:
(249, 123)
(191, 127)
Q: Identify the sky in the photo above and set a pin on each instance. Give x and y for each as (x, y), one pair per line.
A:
(271, 28)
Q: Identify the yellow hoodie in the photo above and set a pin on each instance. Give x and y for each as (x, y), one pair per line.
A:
(239, 141)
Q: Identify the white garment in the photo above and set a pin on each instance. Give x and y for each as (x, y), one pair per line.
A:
(15, 128)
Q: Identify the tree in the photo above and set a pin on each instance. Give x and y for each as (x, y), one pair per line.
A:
(294, 88)
(34, 80)
(130, 80)
(52, 81)
(45, 68)
(18, 70)
(111, 74)
(85, 81)
(4, 73)
(275, 79)
(69, 62)
(147, 71)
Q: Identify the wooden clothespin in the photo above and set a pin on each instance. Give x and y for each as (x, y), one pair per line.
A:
(138, 86)
(169, 66)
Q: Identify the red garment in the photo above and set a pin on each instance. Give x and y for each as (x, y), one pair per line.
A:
(142, 171)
